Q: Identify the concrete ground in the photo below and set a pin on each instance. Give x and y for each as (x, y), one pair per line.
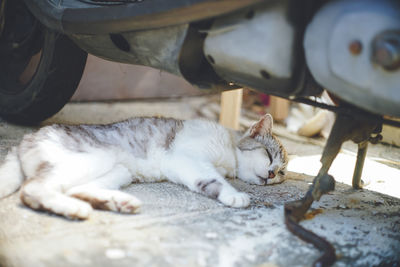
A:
(177, 227)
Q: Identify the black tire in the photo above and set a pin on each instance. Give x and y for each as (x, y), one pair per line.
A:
(53, 83)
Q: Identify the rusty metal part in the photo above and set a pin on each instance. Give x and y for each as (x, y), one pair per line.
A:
(328, 256)
(355, 47)
(345, 128)
(295, 211)
(361, 153)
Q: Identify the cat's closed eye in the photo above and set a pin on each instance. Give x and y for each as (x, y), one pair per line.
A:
(269, 156)
(281, 172)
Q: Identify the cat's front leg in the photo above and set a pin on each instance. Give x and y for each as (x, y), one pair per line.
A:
(204, 178)
(220, 189)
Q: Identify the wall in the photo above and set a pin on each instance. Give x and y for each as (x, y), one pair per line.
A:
(106, 80)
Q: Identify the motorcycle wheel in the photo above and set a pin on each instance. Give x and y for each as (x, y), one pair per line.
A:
(39, 69)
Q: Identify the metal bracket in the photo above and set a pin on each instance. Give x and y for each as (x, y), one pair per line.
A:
(345, 128)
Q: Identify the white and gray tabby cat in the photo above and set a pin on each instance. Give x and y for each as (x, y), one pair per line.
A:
(68, 170)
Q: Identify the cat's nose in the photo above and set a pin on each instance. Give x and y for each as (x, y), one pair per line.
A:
(271, 174)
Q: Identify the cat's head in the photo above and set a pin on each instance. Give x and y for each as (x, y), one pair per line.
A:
(261, 157)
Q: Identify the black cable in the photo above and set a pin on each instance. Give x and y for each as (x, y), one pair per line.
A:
(108, 2)
(353, 112)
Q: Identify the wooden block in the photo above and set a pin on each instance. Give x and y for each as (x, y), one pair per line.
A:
(279, 108)
(231, 103)
(391, 135)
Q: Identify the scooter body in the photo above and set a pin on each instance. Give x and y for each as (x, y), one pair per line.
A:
(288, 48)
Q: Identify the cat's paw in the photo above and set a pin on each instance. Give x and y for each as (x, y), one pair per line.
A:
(79, 210)
(125, 203)
(235, 200)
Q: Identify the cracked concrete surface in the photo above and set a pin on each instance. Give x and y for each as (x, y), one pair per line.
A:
(177, 227)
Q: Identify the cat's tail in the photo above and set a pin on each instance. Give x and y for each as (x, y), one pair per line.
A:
(11, 176)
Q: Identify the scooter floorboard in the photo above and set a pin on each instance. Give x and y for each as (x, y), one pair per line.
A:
(100, 17)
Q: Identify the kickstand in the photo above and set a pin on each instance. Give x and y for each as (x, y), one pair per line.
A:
(345, 128)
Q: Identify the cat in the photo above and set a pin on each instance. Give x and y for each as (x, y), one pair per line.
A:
(70, 169)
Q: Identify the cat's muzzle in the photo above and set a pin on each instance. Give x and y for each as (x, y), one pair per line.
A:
(263, 180)
(271, 174)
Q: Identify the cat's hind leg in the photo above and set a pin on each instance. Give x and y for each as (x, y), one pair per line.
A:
(11, 176)
(102, 192)
(38, 194)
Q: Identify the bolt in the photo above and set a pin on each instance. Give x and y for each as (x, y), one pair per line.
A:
(386, 50)
(355, 47)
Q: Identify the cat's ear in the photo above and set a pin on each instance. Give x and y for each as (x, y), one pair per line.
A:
(262, 127)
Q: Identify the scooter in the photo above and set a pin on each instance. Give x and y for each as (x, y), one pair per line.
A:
(289, 48)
